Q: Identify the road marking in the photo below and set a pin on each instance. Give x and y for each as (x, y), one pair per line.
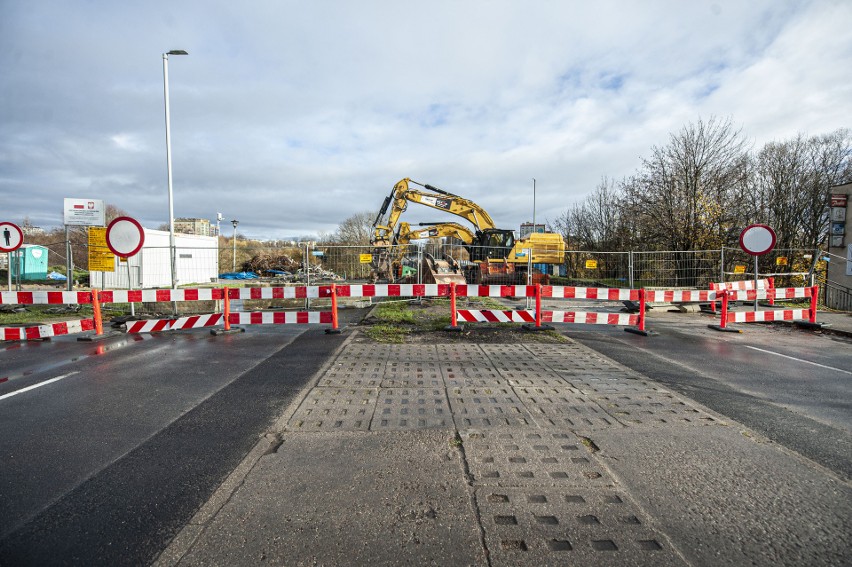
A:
(800, 360)
(39, 385)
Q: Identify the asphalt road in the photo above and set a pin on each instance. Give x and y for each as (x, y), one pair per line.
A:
(790, 385)
(123, 441)
(118, 444)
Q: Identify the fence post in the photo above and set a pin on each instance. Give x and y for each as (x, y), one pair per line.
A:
(453, 314)
(770, 285)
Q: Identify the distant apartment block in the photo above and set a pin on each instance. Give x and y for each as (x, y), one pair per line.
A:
(201, 227)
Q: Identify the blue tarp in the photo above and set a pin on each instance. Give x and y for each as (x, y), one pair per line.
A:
(56, 276)
(238, 276)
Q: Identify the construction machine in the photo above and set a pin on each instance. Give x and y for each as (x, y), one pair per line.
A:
(495, 254)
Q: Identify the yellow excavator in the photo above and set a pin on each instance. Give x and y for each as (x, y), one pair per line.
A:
(494, 253)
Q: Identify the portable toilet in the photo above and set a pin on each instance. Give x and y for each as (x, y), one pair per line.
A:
(33, 261)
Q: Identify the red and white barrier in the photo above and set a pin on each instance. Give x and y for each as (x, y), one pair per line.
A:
(756, 316)
(45, 297)
(494, 316)
(46, 331)
(743, 285)
(156, 325)
(599, 293)
(538, 316)
(679, 296)
(161, 295)
(592, 318)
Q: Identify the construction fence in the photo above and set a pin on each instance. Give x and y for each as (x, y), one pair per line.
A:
(313, 263)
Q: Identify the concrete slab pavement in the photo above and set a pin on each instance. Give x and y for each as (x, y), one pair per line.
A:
(531, 454)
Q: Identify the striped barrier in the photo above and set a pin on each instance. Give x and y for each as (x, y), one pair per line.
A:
(592, 318)
(679, 296)
(45, 297)
(155, 325)
(743, 285)
(494, 316)
(757, 316)
(538, 316)
(39, 332)
(234, 318)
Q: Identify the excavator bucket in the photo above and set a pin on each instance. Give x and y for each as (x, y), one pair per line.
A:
(440, 272)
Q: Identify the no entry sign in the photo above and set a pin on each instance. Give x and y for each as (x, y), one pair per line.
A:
(757, 239)
(11, 237)
(125, 237)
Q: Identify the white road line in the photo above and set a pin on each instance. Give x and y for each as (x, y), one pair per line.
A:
(800, 360)
(39, 385)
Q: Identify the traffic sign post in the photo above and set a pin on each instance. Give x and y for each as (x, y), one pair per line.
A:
(757, 240)
(11, 238)
(125, 237)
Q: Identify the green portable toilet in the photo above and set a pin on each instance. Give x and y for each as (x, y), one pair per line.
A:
(33, 260)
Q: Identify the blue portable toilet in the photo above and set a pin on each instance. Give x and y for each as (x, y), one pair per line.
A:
(33, 259)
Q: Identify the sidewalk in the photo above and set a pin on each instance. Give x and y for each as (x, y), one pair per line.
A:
(562, 457)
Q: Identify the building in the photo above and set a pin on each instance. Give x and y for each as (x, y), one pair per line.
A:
(839, 288)
(201, 227)
(196, 262)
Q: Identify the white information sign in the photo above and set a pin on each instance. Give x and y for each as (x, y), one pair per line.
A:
(84, 212)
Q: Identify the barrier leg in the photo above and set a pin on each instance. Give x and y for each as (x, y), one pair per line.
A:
(453, 312)
(99, 322)
(770, 283)
(640, 328)
(814, 298)
(538, 325)
(226, 313)
(226, 317)
(723, 322)
(334, 325)
(812, 311)
(96, 309)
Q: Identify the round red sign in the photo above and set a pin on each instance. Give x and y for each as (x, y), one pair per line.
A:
(11, 237)
(757, 239)
(125, 237)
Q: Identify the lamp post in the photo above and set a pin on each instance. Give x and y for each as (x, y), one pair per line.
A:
(235, 222)
(169, 160)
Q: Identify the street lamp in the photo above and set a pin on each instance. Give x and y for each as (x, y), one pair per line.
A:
(235, 222)
(169, 160)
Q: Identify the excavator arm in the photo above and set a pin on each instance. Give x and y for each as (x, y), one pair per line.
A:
(402, 194)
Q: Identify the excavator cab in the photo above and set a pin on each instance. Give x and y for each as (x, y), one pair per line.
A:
(493, 244)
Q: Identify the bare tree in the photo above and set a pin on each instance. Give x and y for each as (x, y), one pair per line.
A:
(355, 230)
(596, 223)
(682, 194)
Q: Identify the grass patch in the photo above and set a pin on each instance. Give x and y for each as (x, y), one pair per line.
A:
(387, 333)
(394, 312)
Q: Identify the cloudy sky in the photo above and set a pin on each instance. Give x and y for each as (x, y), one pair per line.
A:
(292, 116)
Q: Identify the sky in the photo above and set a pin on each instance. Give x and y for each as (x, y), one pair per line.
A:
(293, 116)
